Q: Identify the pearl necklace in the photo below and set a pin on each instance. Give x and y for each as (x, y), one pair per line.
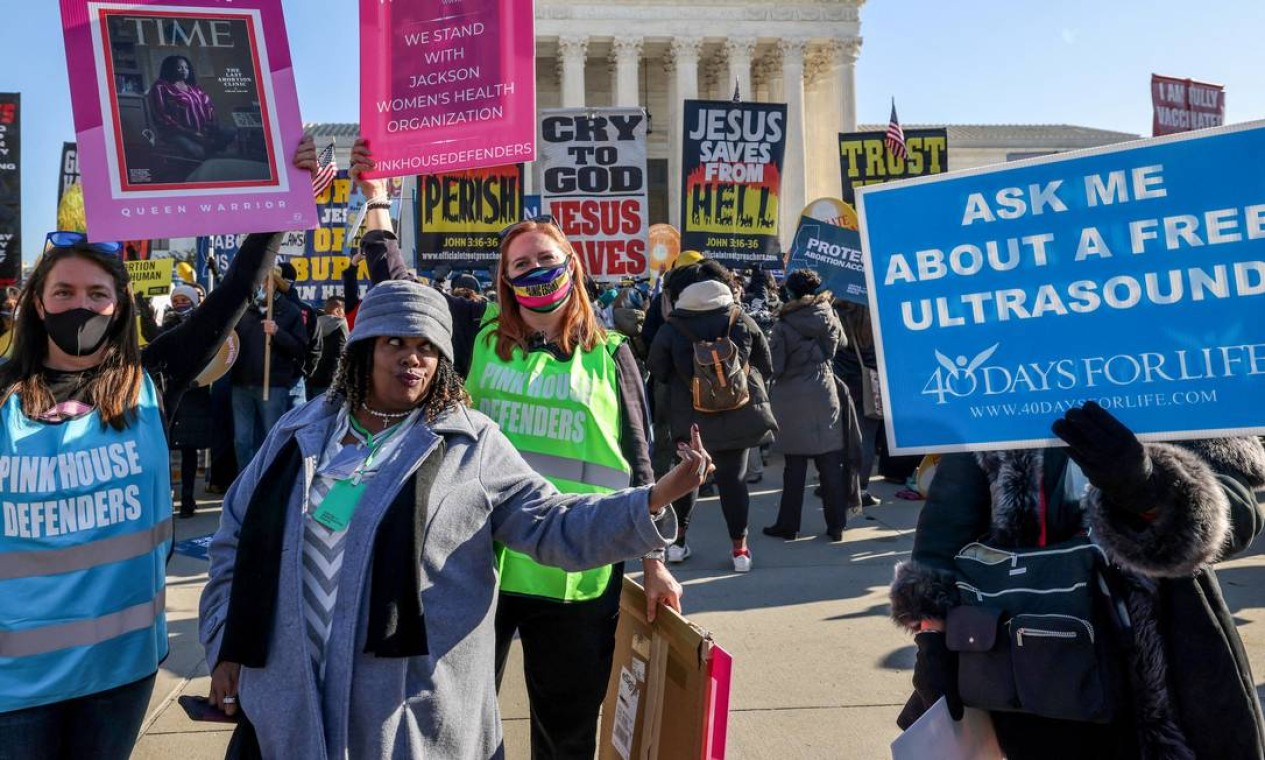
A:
(385, 415)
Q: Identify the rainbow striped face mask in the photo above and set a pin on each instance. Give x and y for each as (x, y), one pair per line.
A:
(544, 289)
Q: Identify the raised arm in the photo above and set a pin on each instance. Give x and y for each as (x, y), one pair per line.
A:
(178, 355)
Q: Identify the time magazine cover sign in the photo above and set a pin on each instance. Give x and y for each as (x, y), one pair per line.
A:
(186, 116)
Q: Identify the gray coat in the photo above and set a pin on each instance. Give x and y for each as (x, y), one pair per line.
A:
(805, 401)
(443, 704)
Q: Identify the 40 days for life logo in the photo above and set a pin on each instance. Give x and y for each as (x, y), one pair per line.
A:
(963, 377)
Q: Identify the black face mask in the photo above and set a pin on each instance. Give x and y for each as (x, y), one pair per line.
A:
(78, 332)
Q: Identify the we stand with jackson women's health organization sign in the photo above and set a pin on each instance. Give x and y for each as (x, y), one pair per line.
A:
(1132, 275)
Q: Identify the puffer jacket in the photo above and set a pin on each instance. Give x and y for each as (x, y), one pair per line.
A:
(704, 310)
(1192, 690)
(805, 399)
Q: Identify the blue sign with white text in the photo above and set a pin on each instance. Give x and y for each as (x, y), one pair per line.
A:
(1131, 275)
(834, 252)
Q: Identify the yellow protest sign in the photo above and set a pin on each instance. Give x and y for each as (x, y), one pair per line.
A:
(151, 277)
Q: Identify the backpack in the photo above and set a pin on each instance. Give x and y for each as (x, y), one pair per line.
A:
(720, 376)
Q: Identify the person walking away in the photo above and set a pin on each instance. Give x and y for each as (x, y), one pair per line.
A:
(807, 406)
(82, 594)
(191, 426)
(705, 311)
(543, 328)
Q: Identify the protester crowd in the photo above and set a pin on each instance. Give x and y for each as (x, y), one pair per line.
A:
(513, 445)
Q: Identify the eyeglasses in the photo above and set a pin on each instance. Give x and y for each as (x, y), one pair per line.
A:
(542, 219)
(71, 239)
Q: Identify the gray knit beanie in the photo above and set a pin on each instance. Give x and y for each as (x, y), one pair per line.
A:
(404, 309)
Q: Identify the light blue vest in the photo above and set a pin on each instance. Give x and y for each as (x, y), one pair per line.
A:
(83, 553)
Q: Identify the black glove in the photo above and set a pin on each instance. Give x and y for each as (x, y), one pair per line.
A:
(1109, 454)
(936, 673)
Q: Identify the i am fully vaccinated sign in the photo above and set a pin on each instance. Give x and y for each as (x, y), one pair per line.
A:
(1132, 275)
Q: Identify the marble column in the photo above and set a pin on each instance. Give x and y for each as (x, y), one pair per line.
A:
(684, 86)
(820, 127)
(573, 49)
(626, 54)
(846, 55)
(738, 52)
(793, 181)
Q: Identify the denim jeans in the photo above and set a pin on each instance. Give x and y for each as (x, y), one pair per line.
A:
(101, 726)
(253, 418)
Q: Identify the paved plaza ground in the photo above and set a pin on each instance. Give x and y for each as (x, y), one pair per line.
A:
(819, 671)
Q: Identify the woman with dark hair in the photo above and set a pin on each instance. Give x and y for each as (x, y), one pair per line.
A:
(810, 414)
(183, 113)
(88, 526)
(364, 533)
(568, 395)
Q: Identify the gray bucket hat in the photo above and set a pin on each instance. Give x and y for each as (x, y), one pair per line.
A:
(405, 309)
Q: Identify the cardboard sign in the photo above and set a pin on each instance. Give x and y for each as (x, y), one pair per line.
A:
(150, 277)
(732, 182)
(1129, 275)
(833, 251)
(1181, 105)
(864, 158)
(460, 215)
(593, 163)
(447, 85)
(669, 689)
(186, 117)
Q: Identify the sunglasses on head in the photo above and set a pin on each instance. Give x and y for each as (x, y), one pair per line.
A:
(70, 239)
(542, 219)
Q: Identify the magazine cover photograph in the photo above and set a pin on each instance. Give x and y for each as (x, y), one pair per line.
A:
(188, 106)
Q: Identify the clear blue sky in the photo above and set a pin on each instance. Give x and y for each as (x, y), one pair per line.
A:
(1083, 62)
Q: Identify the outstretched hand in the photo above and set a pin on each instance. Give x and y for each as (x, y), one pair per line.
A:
(690, 473)
(1109, 454)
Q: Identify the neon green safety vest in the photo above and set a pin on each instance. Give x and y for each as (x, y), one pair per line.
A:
(564, 418)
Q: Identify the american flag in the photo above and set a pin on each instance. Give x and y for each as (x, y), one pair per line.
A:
(326, 170)
(895, 136)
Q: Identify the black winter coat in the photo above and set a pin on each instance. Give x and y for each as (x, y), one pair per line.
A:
(672, 362)
(289, 346)
(191, 420)
(1192, 692)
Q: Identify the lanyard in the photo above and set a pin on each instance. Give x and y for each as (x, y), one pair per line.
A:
(340, 502)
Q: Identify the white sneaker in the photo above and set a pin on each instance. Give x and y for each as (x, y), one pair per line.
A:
(678, 553)
(742, 563)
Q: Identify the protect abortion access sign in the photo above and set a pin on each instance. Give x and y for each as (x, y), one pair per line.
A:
(1132, 275)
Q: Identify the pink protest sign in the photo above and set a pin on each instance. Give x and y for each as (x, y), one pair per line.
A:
(186, 116)
(447, 85)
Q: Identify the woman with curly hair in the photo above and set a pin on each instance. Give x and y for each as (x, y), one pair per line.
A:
(353, 582)
(569, 395)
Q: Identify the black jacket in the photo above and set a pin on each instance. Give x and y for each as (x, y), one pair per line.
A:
(289, 346)
(1192, 690)
(331, 333)
(672, 362)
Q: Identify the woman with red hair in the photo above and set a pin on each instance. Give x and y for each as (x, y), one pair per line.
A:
(569, 395)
